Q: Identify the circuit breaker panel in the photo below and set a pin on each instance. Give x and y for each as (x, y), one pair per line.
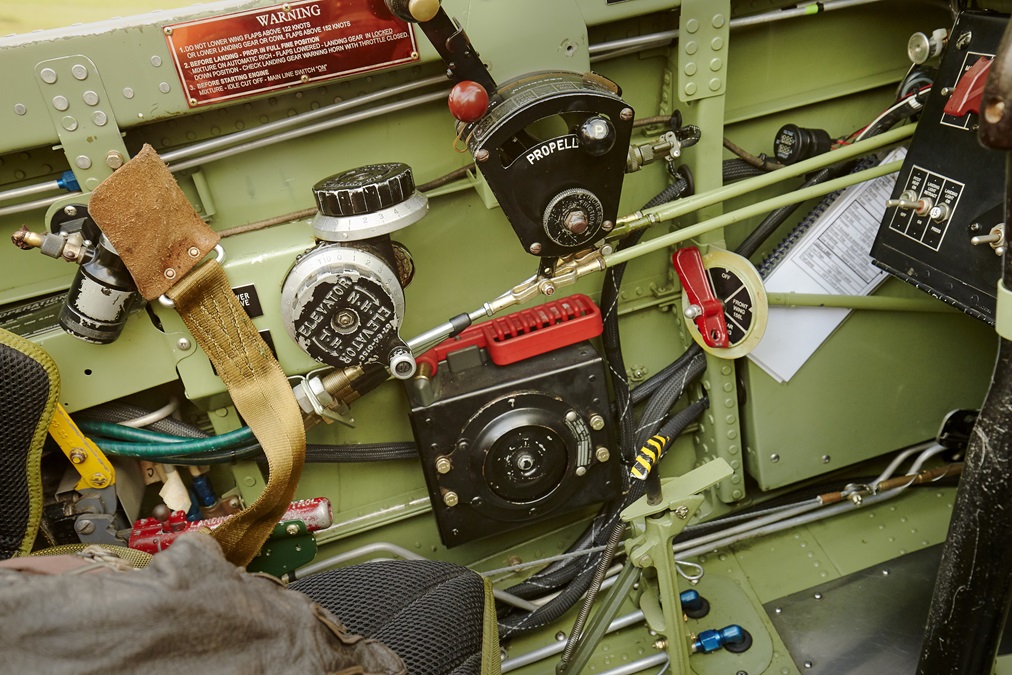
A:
(943, 229)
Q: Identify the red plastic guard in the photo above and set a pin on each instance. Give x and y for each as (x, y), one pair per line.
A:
(527, 333)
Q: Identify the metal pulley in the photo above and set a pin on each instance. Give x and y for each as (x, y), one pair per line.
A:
(343, 301)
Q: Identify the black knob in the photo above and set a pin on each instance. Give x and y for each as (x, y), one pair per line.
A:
(597, 136)
(366, 189)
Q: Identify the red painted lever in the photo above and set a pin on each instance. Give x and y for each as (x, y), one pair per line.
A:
(969, 91)
(704, 307)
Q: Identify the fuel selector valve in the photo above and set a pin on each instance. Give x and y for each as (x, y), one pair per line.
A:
(343, 301)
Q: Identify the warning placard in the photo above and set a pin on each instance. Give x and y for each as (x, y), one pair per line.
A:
(260, 50)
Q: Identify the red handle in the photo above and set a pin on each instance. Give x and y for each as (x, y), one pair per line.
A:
(704, 307)
(526, 333)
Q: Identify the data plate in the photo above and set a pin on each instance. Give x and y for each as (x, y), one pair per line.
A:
(261, 50)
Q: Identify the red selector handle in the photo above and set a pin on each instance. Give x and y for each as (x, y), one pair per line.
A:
(704, 306)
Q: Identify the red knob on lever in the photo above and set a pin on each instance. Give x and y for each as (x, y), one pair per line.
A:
(468, 101)
(704, 307)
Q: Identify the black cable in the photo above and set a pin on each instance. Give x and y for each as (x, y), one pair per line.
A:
(315, 454)
(654, 381)
(657, 407)
(121, 412)
(738, 169)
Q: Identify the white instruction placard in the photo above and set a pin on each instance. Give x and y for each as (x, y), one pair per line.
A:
(831, 258)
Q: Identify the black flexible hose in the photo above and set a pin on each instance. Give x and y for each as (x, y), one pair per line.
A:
(121, 412)
(315, 454)
(676, 423)
(653, 382)
(656, 409)
(738, 169)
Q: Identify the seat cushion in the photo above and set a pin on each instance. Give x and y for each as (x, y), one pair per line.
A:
(431, 613)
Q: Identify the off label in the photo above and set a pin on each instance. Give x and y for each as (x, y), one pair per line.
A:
(737, 302)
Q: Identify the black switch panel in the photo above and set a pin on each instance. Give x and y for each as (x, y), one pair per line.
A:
(960, 183)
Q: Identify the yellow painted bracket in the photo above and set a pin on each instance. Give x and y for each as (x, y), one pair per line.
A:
(95, 468)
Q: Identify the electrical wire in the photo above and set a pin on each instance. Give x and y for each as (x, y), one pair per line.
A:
(154, 416)
(760, 162)
(118, 412)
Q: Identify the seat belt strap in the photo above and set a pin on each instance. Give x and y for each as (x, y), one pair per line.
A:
(161, 239)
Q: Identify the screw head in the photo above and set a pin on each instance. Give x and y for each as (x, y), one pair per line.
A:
(482, 155)
(70, 210)
(596, 422)
(547, 287)
(114, 160)
(292, 529)
(183, 344)
(602, 454)
(167, 30)
(560, 636)
(607, 226)
(344, 319)
(576, 222)
(84, 527)
(77, 456)
(451, 499)
(98, 479)
(443, 465)
(581, 471)
(572, 416)
(535, 248)
(626, 114)
(774, 458)
(682, 512)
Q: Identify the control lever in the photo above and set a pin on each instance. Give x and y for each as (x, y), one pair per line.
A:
(449, 39)
(704, 307)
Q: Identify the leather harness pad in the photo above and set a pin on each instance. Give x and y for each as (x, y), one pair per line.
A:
(151, 223)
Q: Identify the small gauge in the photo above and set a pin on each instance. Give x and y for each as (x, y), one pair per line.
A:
(737, 284)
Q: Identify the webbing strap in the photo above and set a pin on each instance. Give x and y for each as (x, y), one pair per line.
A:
(261, 394)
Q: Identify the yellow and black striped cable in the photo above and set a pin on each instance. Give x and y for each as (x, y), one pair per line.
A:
(649, 455)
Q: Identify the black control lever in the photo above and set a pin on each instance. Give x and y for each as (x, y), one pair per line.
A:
(449, 39)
